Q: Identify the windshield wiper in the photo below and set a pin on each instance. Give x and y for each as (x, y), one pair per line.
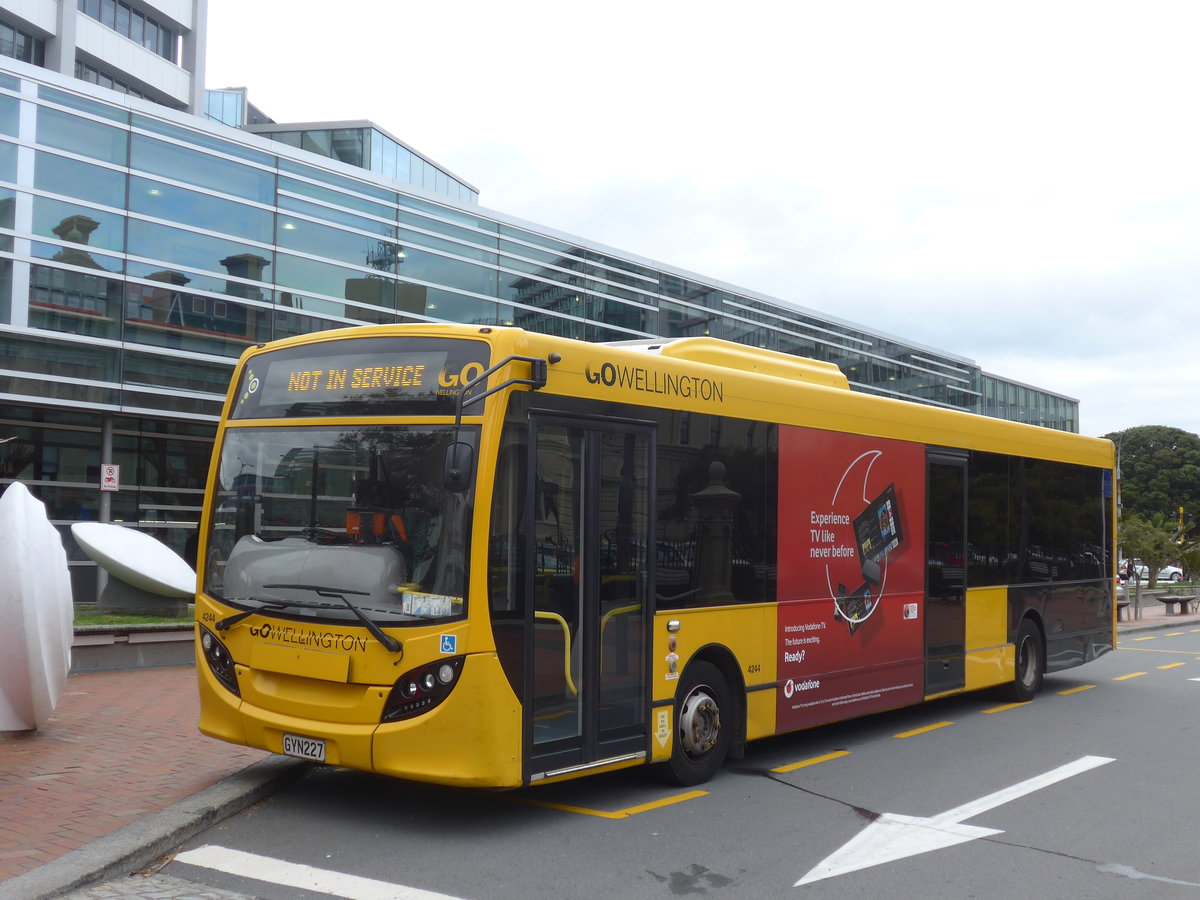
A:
(276, 603)
(387, 640)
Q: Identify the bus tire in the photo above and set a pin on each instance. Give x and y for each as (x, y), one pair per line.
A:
(1030, 662)
(704, 724)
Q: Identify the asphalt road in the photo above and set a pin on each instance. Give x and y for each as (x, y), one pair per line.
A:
(1090, 791)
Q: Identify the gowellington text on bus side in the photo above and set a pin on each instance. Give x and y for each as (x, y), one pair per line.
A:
(481, 556)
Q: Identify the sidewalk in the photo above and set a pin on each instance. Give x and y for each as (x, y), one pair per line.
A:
(121, 747)
(120, 775)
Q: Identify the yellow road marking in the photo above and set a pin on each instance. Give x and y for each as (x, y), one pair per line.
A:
(1076, 690)
(996, 709)
(618, 814)
(1127, 677)
(1150, 638)
(792, 767)
(927, 728)
(1173, 633)
(1170, 665)
(1159, 650)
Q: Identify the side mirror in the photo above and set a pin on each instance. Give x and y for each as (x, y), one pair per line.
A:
(458, 467)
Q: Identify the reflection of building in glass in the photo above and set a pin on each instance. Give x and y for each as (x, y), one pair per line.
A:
(145, 242)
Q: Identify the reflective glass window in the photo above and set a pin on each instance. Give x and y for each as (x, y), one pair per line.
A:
(176, 204)
(9, 114)
(471, 251)
(6, 266)
(91, 258)
(425, 266)
(73, 178)
(335, 281)
(85, 104)
(322, 240)
(195, 167)
(198, 281)
(435, 215)
(165, 461)
(35, 354)
(203, 139)
(321, 141)
(166, 316)
(185, 374)
(335, 198)
(290, 324)
(62, 300)
(83, 136)
(338, 181)
(447, 305)
(7, 208)
(337, 216)
(187, 248)
(375, 156)
(78, 224)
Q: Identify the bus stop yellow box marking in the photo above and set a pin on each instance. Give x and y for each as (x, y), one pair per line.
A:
(298, 661)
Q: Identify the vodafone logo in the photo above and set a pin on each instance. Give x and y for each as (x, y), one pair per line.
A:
(790, 687)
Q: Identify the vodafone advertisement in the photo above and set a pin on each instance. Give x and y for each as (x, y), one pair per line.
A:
(851, 575)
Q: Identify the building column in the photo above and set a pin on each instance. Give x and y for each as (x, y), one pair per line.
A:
(195, 50)
(60, 49)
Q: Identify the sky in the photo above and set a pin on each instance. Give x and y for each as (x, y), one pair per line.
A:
(1017, 182)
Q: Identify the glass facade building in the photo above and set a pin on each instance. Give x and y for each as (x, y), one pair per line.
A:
(143, 248)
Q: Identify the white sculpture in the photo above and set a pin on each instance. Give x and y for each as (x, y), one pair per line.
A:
(36, 615)
(136, 558)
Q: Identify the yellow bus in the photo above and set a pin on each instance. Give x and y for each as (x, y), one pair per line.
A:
(482, 556)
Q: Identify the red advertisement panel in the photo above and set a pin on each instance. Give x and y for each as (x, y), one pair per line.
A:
(851, 575)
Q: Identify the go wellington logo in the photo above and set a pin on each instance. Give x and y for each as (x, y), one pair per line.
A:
(306, 637)
(637, 378)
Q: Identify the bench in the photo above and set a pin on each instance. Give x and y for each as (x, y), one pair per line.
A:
(1186, 602)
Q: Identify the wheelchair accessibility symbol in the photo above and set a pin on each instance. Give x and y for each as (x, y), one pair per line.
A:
(449, 643)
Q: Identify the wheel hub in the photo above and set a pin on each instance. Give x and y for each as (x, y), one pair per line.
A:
(699, 722)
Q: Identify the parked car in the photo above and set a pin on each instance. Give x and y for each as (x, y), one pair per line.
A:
(1166, 573)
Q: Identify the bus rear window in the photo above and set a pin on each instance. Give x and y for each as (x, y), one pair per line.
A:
(373, 376)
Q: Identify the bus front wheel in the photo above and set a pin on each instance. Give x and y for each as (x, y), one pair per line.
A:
(1030, 662)
(704, 723)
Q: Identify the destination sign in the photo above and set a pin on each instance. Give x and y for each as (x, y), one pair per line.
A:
(359, 376)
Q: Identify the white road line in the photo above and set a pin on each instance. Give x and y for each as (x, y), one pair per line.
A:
(308, 878)
(892, 837)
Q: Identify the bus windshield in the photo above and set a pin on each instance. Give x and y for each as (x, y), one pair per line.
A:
(321, 521)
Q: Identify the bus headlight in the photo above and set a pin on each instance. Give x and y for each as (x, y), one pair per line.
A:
(220, 663)
(420, 690)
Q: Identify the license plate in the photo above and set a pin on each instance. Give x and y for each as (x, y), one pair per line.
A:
(304, 747)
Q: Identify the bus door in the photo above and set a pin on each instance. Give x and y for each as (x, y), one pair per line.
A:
(586, 684)
(946, 572)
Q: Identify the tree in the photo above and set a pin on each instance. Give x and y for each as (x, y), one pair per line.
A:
(1155, 541)
(1160, 470)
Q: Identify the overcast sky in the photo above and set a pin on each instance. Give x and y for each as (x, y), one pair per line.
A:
(1016, 182)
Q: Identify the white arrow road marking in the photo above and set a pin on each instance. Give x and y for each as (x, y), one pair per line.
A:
(308, 878)
(892, 837)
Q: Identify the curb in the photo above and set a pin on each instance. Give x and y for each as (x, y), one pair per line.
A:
(136, 845)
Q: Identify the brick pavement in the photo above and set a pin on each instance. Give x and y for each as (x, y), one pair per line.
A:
(120, 745)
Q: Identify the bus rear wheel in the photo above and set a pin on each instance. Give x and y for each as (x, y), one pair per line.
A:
(704, 724)
(1030, 662)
